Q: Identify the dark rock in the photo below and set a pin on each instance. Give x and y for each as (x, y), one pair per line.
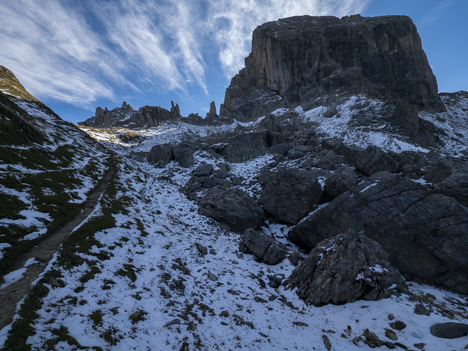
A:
(398, 325)
(262, 247)
(224, 314)
(374, 160)
(275, 280)
(339, 182)
(326, 342)
(240, 147)
(126, 116)
(423, 231)
(183, 154)
(449, 330)
(212, 112)
(160, 155)
(422, 310)
(232, 207)
(420, 345)
(344, 269)
(204, 170)
(371, 339)
(328, 159)
(289, 194)
(295, 257)
(298, 151)
(202, 250)
(391, 334)
(305, 58)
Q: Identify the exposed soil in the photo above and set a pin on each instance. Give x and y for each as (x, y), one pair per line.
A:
(43, 252)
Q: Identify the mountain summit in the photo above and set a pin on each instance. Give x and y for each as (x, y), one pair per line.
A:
(311, 59)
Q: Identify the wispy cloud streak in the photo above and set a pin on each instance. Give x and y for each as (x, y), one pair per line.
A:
(77, 52)
(234, 21)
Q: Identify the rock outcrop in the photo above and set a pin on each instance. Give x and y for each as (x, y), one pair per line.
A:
(126, 116)
(423, 231)
(233, 208)
(344, 269)
(304, 60)
(289, 194)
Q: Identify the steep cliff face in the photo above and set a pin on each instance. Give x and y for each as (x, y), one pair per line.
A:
(302, 59)
(126, 116)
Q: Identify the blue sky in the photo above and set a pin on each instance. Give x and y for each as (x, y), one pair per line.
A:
(76, 55)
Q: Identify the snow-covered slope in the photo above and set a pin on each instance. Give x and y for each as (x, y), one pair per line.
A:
(147, 271)
(163, 277)
(47, 166)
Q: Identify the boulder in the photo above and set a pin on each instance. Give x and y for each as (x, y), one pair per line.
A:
(240, 147)
(263, 247)
(339, 182)
(423, 231)
(233, 208)
(160, 155)
(344, 269)
(374, 160)
(289, 194)
(449, 330)
(183, 154)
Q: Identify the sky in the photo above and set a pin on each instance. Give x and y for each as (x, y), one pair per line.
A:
(75, 55)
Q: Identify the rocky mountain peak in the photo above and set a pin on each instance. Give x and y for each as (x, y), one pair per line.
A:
(126, 116)
(309, 59)
(10, 85)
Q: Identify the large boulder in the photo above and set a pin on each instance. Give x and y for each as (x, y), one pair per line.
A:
(263, 247)
(424, 232)
(240, 147)
(373, 159)
(183, 154)
(289, 194)
(232, 207)
(344, 269)
(160, 155)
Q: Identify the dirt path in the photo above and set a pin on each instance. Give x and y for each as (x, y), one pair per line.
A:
(43, 252)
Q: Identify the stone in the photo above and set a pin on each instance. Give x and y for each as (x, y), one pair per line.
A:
(344, 269)
(182, 153)
(305, 58)
(391, 334)
(449, 330)
(422, 230)
(339, 182)
(326, 342)
(289, 194)
(298, 152)
(328, 159)
(374, 160)
(240, 147)
(263, 247)
(397, 325)
(202, 250)
(233, 208)
(160, 155)
(420, 309)
(204, 170)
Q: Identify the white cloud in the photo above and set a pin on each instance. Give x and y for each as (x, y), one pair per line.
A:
(78, 52)
(234, 21)
(49, 50)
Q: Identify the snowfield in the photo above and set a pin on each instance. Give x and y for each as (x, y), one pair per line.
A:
(164, 277)
(158, 292)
